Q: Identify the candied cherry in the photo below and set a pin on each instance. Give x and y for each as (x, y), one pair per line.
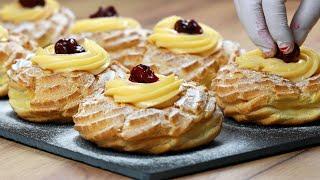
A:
(105, 12)
(142, 74)
(32, 3)
(68, 46)
(291, 57)
(188, 26)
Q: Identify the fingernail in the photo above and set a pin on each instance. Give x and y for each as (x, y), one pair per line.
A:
(268, 52)
(286, 47)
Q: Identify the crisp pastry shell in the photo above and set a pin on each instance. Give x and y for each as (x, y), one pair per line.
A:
(17, 46)
(257, 97)
(193, 120)
(42, 96)
(196, 68)
(45, 31)
(125, 46)
(130, 48)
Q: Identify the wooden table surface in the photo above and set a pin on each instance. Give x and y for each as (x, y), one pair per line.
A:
(18, 161)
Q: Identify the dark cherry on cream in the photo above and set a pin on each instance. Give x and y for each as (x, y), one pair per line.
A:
(32, 3)
(142, 74)
(68, 46)
(291, 57)
(105, 12)
(188, 26)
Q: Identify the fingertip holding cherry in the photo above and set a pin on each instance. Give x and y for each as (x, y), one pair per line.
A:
(293, 56)
(286, 47)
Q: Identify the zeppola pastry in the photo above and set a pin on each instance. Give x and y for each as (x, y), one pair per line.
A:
(12, 47)
(49, 86)
(191, 50)
(43, 20)
(122, 37)
(149, 113)
(271, 91)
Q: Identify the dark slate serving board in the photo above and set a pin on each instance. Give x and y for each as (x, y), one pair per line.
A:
(236, 143)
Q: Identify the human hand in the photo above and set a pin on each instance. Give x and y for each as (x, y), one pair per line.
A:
(267, 26)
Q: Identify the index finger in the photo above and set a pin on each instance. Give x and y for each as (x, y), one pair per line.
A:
(251, 15)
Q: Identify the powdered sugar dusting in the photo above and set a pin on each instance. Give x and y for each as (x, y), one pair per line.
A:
(22, 64)
(232, 49)
(234, 141)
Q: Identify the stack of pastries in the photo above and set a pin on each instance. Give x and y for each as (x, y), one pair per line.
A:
(152, 91)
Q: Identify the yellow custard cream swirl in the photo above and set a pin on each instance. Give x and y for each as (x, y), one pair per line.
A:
(166, 36)
(4, 35)
(16, 13)
(307, 66)
(144, 95)
(104, 24)
(94, 60)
